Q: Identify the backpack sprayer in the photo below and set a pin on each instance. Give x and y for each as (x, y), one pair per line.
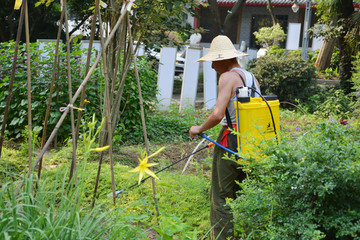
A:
(257, 119)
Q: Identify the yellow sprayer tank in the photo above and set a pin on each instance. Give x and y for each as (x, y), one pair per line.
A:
(254, 123)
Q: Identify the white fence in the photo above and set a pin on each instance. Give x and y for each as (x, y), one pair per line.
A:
(190, 77)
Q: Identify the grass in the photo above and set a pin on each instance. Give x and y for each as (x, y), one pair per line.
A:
(60, 212)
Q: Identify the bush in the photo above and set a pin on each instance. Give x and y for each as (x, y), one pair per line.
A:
(130, 125)
(164, 127)
(41, 75)
(285, 75)
(308, 189)
(356, 81)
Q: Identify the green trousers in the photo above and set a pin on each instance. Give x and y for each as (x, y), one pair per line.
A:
(223, 186)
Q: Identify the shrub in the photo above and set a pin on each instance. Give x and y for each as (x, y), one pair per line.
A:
(356, 81)
(269, 36)
(285, 75)
(130, 125)
(163, 127)
(41, 75)
(308, 189)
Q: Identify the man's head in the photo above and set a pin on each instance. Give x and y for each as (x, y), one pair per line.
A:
(224, 65)
(221, 48)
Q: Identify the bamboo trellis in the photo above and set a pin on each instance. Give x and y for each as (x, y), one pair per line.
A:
(111, 102)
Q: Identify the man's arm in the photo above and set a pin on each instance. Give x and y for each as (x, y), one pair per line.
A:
(224, 95)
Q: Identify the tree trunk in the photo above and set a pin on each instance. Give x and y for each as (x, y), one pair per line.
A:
(324, 58)
(345, 66)
(231, 17)
(216, 20)
(269, 7)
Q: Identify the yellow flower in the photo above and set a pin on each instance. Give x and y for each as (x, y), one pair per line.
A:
(86, 101)
(144, 165)
(100, 149)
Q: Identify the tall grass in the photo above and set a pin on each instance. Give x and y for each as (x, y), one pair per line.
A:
(56, 214)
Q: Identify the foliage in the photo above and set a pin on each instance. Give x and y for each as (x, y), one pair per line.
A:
(155, 29)
(306, 189)
(163, 127)
(130, 125)
(56, 213)
(42, 21)
(41, 75)
(286, 75)
(269, 36)
(356, 81)
(336, 103)
(344, 25)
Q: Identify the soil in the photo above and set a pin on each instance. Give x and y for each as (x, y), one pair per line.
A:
(173, 152)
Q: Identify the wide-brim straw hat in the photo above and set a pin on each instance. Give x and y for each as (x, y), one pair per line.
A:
(221, 48)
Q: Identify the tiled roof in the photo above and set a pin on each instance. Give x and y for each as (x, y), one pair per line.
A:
(265, 2)
(258, 2)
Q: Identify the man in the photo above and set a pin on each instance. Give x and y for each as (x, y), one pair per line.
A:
(223, 55)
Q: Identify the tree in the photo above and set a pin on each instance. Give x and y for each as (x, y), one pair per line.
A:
(231, 18)
(42, 20)
(345, 31)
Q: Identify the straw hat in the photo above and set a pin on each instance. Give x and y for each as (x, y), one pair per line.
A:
(221, 48)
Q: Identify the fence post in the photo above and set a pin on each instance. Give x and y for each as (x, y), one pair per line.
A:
(190, 80)
(166, 76)
(210, 89)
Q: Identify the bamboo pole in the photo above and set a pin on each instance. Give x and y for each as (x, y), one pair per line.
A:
(107, 105)
(47, 113)
(11, 83)
(28, 57)
(142, 113)
(73, 160)
(77, 93)
(88, 60)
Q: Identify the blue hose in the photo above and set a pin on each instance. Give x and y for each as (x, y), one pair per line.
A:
(218, 144)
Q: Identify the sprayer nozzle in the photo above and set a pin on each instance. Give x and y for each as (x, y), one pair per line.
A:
(211, 144)
(116, 193)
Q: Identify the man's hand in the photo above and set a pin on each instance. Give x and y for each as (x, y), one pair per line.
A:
(195, 130)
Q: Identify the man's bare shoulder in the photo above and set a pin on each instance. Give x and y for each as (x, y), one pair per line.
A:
(226, 76)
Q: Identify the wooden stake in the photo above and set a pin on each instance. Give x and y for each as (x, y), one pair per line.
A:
(73, 160)
(47, 113)
(142, 113)
(11, 83)
(28, 57)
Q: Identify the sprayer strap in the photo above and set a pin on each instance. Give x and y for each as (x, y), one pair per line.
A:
(228, 119)
(252, 86)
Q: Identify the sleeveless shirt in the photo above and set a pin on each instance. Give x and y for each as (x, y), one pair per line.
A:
(250, 82)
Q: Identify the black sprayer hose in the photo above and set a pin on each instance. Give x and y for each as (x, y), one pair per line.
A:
(272, 117)
(143, 180)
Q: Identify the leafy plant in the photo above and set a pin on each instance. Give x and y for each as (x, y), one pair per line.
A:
(130, 122)
(269, 36)
(287, 76)
(306, 189)
(49, 215)
(356, 81)
(41, 75)
(336, 103)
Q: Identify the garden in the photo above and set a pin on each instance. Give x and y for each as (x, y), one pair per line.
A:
(131, 171)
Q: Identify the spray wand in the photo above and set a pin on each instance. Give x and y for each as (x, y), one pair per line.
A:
(143, 180)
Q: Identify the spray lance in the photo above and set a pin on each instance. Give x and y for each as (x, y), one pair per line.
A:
(143, 180)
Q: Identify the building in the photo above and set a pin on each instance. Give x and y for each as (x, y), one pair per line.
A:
(255, 15)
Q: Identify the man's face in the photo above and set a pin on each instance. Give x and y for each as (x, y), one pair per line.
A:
(219, 66)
